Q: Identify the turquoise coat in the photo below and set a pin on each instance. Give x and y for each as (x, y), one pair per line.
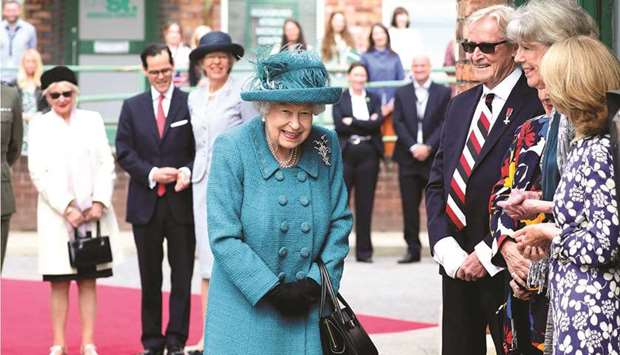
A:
(269, 225)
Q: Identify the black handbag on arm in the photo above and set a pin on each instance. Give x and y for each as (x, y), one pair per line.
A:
(341, 332)
(88, 251)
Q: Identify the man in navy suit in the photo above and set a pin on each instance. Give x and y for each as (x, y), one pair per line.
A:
(478, 129)
(155, 145)
(419, 110)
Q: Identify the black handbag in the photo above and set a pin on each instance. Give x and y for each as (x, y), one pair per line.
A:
(341, 332)
(88, 251)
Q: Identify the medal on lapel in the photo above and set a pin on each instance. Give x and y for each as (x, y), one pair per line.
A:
(508, 113)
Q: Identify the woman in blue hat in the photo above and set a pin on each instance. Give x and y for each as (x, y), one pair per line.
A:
(277, 205)
(215, 107)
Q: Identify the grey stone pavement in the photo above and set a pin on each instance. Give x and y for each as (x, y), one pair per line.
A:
(384, 288)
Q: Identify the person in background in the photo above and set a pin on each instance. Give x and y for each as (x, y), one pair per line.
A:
(463, 173)
(72, 168)
(277, 206)
(195, 69)
(173, 37)
(155, 145)
(584, 242)
(215, 107)
(406, 41)
(29, 84)
(357, 120)
(337, 48)
(419, 110)
(383, 64)
(292, 37)
(16, 35)
(11, 144)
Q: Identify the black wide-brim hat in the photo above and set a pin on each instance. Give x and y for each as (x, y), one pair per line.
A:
(57, 74)
(216, 41)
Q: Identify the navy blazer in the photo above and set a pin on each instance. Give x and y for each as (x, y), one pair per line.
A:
(405, 118)
(139, 148)
(524, 104)
(344, 108)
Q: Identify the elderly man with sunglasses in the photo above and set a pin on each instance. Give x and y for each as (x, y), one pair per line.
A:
(481, 122)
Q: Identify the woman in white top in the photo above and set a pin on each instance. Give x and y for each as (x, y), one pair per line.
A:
(214, 107)
(173, 37)
(72, 168)
(405, 41)
(337, 48)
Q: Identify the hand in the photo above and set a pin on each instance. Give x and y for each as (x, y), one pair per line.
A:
(472, 269)
(374, 116)
(520, 292)
(94, 213)
(165, 175)
(387, 108)
(294, 299)
(518, 266)
(538, 206)
(182, 182)
(74, 216)
(513, 206)
(536, 235)
(422, 152)
(534, 253)
(347, 120)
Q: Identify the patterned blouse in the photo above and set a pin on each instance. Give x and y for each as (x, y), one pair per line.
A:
(585, 257)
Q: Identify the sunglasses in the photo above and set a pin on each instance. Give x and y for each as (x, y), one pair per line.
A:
(485, 47)
(56, 95)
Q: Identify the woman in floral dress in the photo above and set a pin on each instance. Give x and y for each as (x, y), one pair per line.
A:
(585, 241)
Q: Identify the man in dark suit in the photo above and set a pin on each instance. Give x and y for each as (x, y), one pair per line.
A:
(11, 143)
(419, 110)
(155, 145)
(478, 129)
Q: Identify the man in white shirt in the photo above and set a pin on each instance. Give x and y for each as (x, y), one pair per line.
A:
(15, 37)
(419, 110)
(478, 129)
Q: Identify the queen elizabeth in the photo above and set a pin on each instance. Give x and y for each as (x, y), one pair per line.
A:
(278, 205)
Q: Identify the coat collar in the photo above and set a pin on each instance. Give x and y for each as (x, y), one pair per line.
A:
(268, 165)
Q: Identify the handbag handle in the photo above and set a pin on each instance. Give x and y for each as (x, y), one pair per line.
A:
(77, 236)
(327, 289)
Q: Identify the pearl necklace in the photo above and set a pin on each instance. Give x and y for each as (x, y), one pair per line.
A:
(292, 155)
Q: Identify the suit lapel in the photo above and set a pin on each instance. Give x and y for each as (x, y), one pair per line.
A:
(348, 105)
(429, 103)
(150, 119)
(175, 104)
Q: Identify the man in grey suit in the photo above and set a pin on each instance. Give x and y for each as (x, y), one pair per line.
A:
(11, 143)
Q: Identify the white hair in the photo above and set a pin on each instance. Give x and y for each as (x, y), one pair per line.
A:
(264, 106)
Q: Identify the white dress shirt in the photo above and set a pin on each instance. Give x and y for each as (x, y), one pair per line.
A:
(359, 106)
(421, 94)
(447, 251)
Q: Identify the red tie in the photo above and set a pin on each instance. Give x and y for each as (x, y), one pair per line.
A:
(161, 122)
(455, 206)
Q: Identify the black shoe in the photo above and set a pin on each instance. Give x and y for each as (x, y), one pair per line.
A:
(175, 351)
(194, 352)
(364, 259)
(409, 258)
(151, 352)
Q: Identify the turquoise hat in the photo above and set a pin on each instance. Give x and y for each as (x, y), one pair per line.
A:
(291, 76)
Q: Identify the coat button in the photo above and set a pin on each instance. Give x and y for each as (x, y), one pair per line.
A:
(301, 176)
(300, 275)
(279, 175)
(284, 226)
(304, 201)
(282, 252)
(304, 252)
(282, 200)
(281, 276)
(305, 227)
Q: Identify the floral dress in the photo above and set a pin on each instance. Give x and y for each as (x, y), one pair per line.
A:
(585, 260)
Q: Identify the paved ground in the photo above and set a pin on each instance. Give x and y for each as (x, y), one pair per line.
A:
(384, 288)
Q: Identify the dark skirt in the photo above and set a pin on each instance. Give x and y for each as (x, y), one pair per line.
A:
(83, 273)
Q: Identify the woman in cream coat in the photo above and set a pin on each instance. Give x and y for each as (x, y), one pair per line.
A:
(72, 168)
(215, 108)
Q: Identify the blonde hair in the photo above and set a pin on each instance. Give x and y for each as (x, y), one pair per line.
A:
(22, 78)
(578, 72)
(197, 35)
(500, 13)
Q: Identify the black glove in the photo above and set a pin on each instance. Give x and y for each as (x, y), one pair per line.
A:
(294, 299)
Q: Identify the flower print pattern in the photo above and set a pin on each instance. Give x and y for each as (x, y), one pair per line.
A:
(585, 262)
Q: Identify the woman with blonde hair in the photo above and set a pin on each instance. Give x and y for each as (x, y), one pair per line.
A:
(337, 48)
(29, 83)
(584, 242)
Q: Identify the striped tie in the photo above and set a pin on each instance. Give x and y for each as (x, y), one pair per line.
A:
(455, 208)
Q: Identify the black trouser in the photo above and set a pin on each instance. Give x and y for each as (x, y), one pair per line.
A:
(361, 172)
(5, 236)
(411, 189)
(181, 244)
(468, 307)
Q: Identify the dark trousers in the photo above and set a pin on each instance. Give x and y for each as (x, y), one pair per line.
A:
(361, 172)
(181, 244)
(411, 189)
(5, 236)
(468, 308)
